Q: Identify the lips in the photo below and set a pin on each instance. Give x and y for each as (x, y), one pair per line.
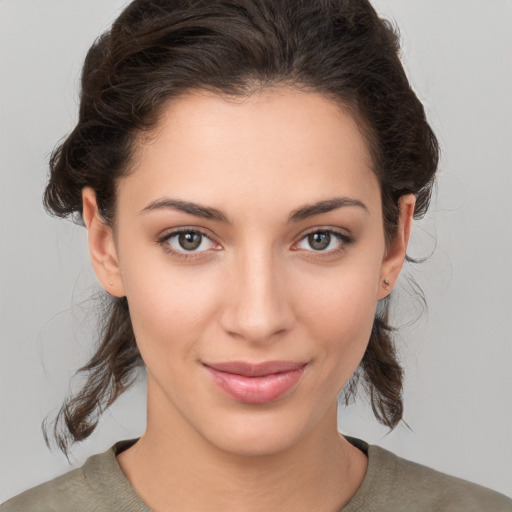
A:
(256, 383)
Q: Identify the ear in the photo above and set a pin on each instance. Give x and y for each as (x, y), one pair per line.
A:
(396, 251)
(102, 246)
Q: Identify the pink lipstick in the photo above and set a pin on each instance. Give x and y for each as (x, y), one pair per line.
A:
(255, 383)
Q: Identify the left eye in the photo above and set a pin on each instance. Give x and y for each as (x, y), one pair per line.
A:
(188, 241)
(323, 241)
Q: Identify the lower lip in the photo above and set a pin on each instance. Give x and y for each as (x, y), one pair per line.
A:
(256, 390)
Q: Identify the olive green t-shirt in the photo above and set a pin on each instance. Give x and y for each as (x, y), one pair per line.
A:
(391, 484)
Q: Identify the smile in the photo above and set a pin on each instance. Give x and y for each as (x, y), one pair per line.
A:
(256, 384)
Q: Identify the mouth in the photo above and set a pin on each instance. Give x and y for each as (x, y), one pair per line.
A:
(256, 383)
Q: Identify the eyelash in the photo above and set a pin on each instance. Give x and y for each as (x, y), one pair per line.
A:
(343, 238)
(163, 242)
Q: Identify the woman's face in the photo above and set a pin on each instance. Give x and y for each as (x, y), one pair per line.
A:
(249, 243)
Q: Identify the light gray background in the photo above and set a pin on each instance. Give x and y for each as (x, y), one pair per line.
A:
(458, 356)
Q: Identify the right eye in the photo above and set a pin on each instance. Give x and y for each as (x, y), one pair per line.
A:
(186, 242)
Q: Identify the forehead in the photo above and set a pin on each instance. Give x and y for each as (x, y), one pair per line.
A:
(277, 146)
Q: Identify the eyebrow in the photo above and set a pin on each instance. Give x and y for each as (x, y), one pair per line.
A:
(207, 212)
(324, 206)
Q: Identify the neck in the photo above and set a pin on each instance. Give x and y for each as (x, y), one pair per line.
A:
(174, 468)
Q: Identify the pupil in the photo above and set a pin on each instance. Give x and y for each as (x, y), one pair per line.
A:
(189, 241)
(319, 241)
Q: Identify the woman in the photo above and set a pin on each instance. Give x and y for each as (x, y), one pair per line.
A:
(248, 173)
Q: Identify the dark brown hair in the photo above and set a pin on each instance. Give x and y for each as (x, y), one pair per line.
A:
(159, 49)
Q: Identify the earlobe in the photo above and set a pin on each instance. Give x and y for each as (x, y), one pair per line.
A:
(102, 246)
(396, 252)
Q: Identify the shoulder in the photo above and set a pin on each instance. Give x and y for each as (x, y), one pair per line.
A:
(403, 485)
(66, 492)
(420, 484)
(94, 487)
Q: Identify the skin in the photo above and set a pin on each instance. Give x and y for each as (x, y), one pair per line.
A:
(255, 290)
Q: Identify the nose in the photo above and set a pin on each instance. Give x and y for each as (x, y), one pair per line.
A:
(257, 304)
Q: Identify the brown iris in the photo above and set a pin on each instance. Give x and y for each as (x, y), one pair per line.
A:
(319, 240)
(190, 240)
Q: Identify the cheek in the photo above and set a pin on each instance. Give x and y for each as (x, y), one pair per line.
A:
(169, 307)
(344, 312)
(338, 313)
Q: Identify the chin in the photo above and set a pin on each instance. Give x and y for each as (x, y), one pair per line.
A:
(256, 436)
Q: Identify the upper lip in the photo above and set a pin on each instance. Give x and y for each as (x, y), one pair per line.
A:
(255, 370)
